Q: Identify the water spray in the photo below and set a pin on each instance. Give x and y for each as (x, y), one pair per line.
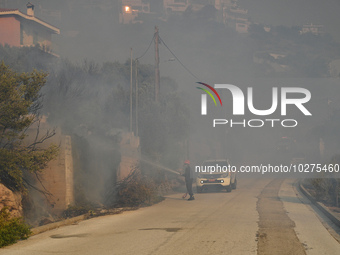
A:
(159, 166)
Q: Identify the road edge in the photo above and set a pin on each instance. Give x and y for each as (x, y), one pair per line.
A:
(57, 224)
(82, 217)
(334, 218)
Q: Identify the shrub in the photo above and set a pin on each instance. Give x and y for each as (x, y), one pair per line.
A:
(74, 210)
(327, 189)
(12, 229)
(319, 187)
(134, 190)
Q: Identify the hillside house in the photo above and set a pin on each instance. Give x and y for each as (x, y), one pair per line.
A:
(19, 29)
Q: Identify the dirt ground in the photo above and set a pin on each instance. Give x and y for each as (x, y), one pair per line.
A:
(276, 234)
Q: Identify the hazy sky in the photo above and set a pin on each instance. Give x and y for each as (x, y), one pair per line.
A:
(295, 13)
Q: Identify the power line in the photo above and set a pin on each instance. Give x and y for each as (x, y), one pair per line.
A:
(170, 52)
(178, 59)
(148, 47)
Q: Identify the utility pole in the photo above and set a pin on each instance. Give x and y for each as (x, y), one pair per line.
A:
(157, 77)
(136, 97)
(131, 90)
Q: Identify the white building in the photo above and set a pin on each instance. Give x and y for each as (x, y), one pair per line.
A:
(130, 10)
(237, 18)
(311, 28)
(175, 6)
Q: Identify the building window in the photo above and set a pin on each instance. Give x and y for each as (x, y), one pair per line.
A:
(137, 8)
(21, 34)
(35, 37)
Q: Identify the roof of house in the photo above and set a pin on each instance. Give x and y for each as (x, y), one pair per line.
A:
(4, 11)
(7, 10)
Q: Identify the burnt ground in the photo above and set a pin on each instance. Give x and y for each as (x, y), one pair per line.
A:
(276, 235)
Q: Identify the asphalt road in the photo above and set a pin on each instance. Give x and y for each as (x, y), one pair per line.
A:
(262, 216)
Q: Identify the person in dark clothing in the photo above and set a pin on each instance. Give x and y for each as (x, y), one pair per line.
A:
(188, 179)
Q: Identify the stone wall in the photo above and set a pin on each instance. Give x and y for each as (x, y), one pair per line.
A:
(57, 177)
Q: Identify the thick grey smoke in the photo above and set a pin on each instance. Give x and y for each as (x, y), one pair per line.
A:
(214, 53)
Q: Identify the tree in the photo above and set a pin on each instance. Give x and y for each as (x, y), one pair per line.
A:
(22, 59)
(208, 12)
(20, 102)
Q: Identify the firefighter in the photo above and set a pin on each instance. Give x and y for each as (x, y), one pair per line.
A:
(188, 179)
